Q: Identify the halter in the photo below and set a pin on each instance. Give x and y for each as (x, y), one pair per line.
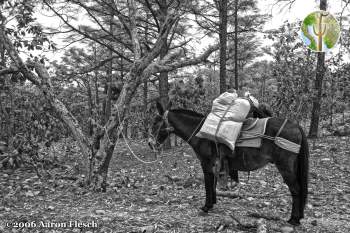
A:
(168, 128)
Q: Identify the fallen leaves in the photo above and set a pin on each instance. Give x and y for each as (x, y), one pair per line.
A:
(100, 212)
(166, 196)
(287, 229)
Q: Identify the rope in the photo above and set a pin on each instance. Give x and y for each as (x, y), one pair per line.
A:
(195, 130)
(280, 130)
(221, 119)
(131, 151)
(281, 142)
(258, 135)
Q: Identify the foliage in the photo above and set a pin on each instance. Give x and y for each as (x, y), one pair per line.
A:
(291, 73)
(191, 93)
(25, 31)
(33, 126)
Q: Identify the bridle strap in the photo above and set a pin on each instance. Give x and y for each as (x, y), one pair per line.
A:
(170, 129)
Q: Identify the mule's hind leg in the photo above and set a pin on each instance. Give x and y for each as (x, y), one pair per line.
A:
(290, 178)
(233, 174)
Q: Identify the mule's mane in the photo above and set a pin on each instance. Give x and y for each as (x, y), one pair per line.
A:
(187, 112)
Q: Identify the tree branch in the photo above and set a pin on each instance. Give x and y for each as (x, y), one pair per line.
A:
(154, 15)
(85, 34)
(165, 66)
(88, 10)
(10, 70)
(133, 29)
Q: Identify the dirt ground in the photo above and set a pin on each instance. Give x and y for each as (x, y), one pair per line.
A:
(165, 196)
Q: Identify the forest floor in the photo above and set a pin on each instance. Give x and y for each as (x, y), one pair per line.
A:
(166, 196)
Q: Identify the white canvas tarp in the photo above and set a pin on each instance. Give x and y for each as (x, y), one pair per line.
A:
(224, 122)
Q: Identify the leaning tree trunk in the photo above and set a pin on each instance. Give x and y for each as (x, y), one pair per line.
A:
(43, 82)
(320, 71)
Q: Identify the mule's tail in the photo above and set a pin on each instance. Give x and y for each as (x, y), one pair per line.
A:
(303, 171)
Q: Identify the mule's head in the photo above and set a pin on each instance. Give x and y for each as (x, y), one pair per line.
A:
(161, 129)
(262, 111)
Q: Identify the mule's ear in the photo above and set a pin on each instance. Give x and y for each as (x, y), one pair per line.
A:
(266, 109)
(170, 103)
(160, 108)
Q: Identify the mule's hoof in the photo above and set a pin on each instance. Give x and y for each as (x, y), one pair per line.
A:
(294, 222)
(201, 213)
(232, 185)
(206, 208)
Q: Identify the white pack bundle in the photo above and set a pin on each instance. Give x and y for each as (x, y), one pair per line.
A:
(224, 122)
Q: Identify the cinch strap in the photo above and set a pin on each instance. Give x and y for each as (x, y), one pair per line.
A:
(282, 126)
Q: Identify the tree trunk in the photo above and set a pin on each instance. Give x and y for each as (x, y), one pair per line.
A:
(333, 91)
(103, 156)
(11, 114)
(145, 92)
(145, 99)
(164, 89)
(320, 71)
(236, 50)
(163, 76)
(223, 43)
(163, 79)
(90, 106)
(97, 96)
(108, 99)
(7, 132)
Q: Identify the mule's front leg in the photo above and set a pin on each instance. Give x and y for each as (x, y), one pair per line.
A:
(210, 190)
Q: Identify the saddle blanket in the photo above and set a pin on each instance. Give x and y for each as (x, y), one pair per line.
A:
(251, 129)
(250, 136)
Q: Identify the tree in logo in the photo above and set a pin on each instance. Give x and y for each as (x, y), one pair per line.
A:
(320, 31)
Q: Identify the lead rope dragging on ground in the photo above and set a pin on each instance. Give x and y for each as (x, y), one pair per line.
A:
(131, 151)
